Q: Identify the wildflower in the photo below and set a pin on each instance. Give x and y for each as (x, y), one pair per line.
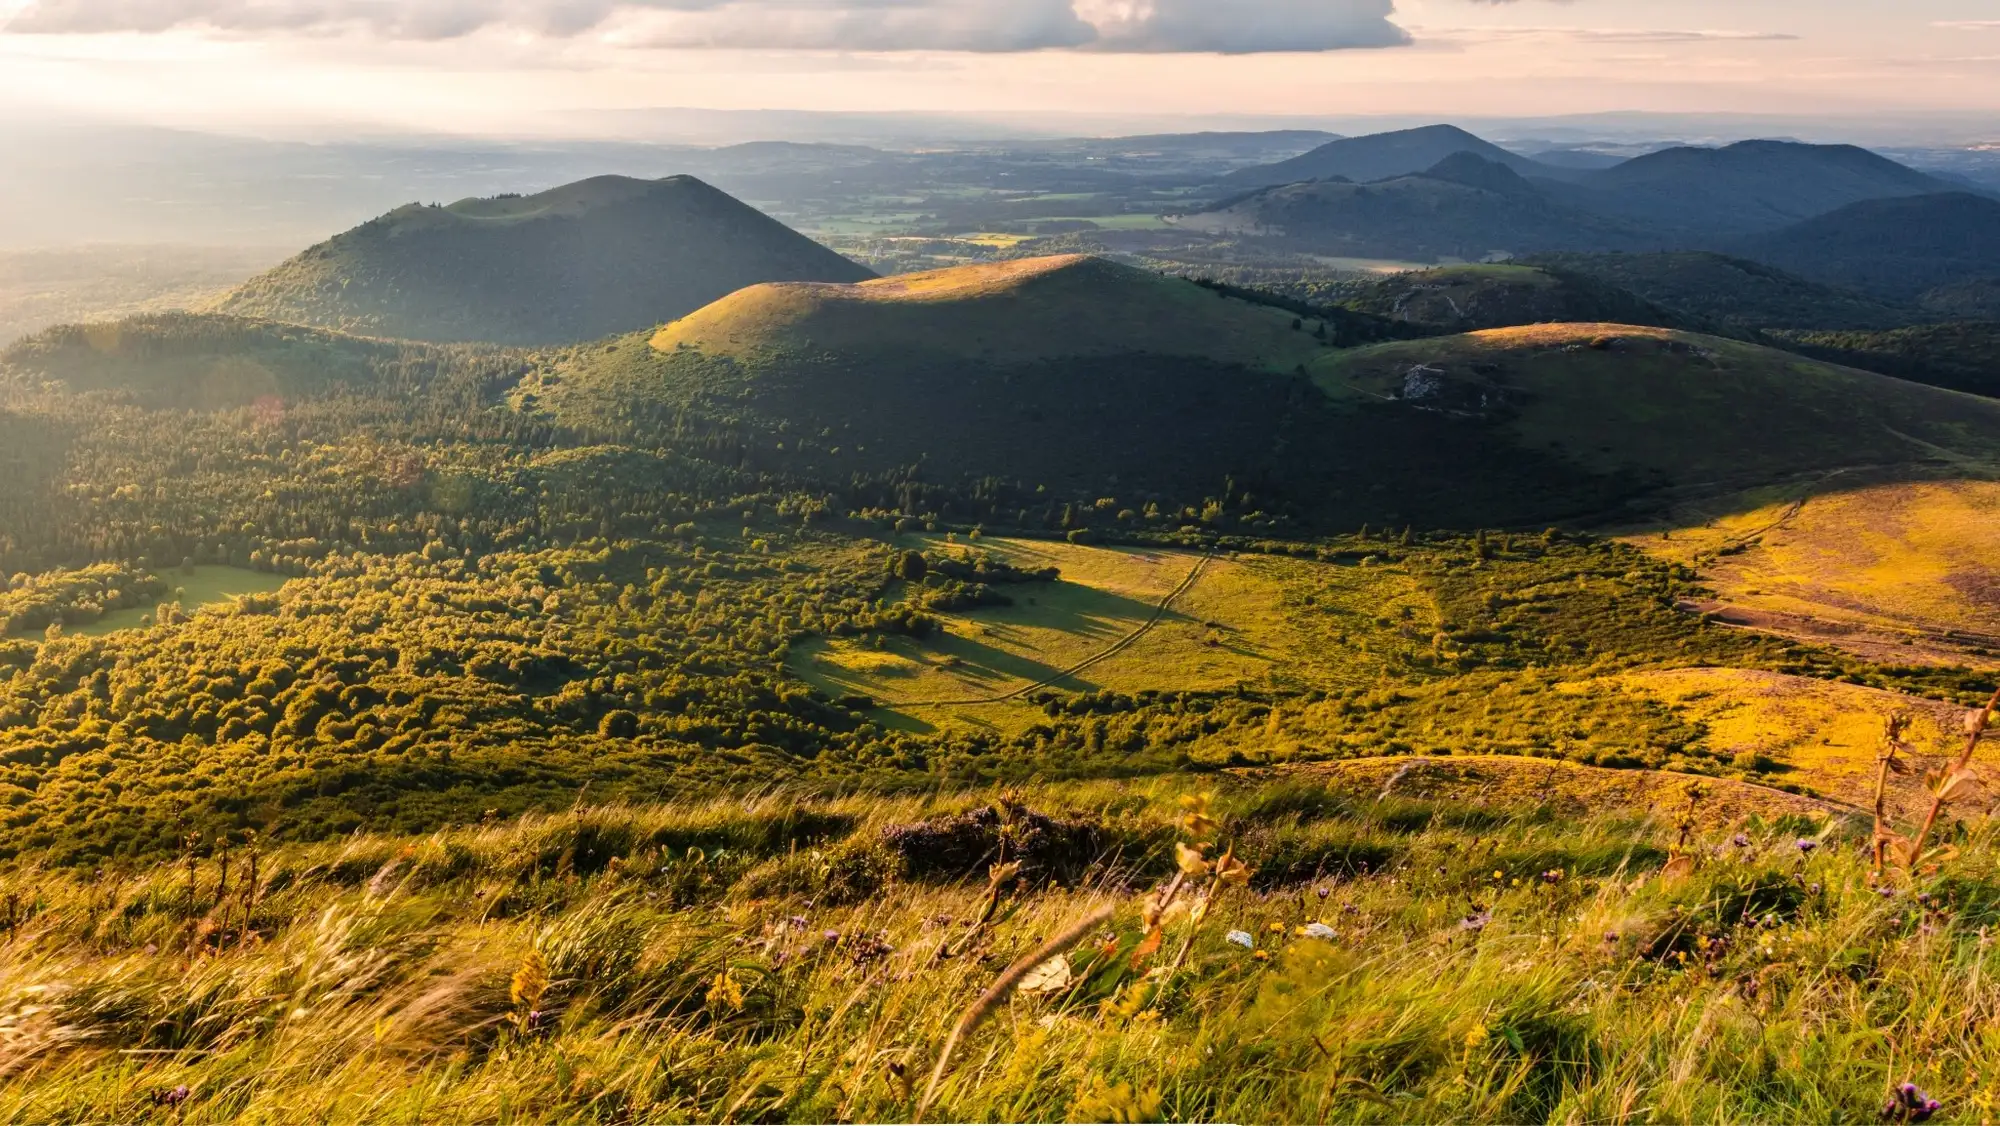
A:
(175, 1097)
(1476, 922)
(831, 937)
(1277, 928)
(1322, 891)
(1476, 1036)
(1909, 1103)
(1553, 876)
(1740, 840)
(1319, 930)
(1806, 845)
(1240, 938)
(1498, 874)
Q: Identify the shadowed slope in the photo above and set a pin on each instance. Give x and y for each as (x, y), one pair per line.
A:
(586, 260)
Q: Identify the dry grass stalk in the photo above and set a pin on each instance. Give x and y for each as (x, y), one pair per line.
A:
(1001, 987)
(1958, 777)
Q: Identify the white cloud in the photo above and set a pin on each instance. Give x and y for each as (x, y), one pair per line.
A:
(1162, 26)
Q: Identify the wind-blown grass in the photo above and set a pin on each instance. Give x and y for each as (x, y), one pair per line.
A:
(775, 961)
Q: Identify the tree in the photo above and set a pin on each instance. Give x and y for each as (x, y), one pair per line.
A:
(910, 566)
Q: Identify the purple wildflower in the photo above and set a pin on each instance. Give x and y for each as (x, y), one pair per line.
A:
(1909, 1103)
(1740, 840)
(1807, 844)
(175, 1097)
(1476, 922)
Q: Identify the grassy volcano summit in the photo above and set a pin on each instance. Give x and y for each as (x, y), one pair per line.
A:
(588, 260)
(1026, 311)
(1076, 377)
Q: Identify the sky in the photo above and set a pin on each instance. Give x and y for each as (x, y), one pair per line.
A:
(532, 67)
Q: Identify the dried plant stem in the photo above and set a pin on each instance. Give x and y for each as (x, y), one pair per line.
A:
(1972, 739)
(997, 992)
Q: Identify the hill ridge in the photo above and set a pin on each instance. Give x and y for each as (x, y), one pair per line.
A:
(581, 261)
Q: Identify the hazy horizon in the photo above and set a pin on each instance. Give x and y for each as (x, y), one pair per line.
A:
(561, 68)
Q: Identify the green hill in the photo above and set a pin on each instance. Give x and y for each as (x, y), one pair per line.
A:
(1978, 299)
(1681, 412)
(1066, 380)
(1898, 249)
(215, 361)
(1734, 294)
(1469, 298)
(1961, 355)
(1070, 307)
(580, 262)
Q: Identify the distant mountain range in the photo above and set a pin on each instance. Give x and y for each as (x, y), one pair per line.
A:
(584, 261)
(1382, 196)
(1385, 156)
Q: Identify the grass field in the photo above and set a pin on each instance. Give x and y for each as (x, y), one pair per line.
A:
(1895, 572)
(204, 586)
(1005, 312)
(1223, 630)
(1683, 409)
(1418, 941)
(1820, 734)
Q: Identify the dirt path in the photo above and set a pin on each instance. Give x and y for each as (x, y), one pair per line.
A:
(1159, 614)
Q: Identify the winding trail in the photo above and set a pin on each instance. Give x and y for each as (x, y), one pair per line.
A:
(1159, 614)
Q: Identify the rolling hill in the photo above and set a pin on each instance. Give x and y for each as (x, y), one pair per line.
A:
(1468, 298)
(1463, 208)
(1076, 306)
(1734, 294)
(1961, 355)
(1746, 187)
(1894, 248)
(584, 261)
(211, 361)
(1077, 377)
(1678, 411)
(1385, 156)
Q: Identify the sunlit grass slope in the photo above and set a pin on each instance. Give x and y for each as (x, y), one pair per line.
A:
(1905, 571)
(1678, 409)
(1822, 734)
(1006, 312)
(1420, 941)
(1228, 627)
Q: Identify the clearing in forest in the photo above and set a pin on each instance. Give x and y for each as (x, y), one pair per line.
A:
(1132, 613)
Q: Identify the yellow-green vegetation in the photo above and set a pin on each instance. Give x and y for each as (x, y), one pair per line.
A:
(1554, 954)
(1824, 735)
(1120, 619)
(1015, 312)
(1897, 572)
(1694, 411)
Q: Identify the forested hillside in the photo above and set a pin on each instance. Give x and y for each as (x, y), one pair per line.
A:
(582, 261)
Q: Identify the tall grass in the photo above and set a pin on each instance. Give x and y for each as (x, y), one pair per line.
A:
(775, 960)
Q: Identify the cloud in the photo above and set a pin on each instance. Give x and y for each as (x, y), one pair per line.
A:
(1968, 25)
(1164, 26)
(1609, 34)
(1242, 26)
(871, 25)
